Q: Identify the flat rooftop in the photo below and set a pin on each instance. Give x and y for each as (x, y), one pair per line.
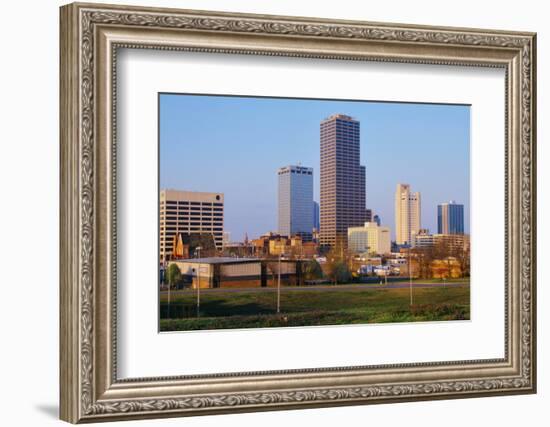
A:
(339, 116)
(217, 260)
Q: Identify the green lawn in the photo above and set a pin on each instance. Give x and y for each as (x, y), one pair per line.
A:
(454, 280)
(248, 309)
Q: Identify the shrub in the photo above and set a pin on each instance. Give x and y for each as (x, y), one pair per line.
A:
(173, 275)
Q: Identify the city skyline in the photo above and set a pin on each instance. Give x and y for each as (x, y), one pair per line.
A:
(238, 130)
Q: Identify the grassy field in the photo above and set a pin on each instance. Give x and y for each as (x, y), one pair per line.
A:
(398, 279)
(247, 309)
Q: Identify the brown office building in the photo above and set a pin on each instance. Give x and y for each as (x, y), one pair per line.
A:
(342, 179)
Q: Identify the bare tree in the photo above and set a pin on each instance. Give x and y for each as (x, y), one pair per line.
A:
(423, 258)
(338, 271)
(339, 263)
(441, 269)
(273, 269)
(462, 256)
(444, 254)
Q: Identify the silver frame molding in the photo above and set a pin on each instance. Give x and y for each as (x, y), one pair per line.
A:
(90, 37)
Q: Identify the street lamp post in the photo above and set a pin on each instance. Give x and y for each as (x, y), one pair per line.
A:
(199, 282)
(169, 286)
(279, 286)
(410, 278)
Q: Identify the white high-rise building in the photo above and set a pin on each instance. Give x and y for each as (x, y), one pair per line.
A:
(407, 214)
(371, 238)
(296, 201)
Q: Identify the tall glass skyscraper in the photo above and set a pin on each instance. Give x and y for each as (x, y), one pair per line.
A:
(450, 218)
(342, 179)
(296, 209)
(316, 215)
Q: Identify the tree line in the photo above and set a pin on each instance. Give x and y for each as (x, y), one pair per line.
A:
(444, 259)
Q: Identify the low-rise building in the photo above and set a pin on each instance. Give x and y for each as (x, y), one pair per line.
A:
(397, 261)
(309, 249)
(261, 244)
(450, 241)
(448, 268)
(274, 244)
(278, 246)
(238, 249)
(209, 272)
(453, 241)
(422, 239)
(371, 238)
(180, 250)
(186, 245)
(229, 272)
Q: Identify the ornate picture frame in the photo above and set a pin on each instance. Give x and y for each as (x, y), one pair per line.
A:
(90, 37)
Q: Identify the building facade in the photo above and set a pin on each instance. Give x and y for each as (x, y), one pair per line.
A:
(226, 238)
(316, 223)
(230, 272)
(450, 218)
(371, 239)
(189, 213)
(451, 242)
(343, 196)
(285, 246)
(368, 215)
(295, 201)
(407, 214)
(423, 239)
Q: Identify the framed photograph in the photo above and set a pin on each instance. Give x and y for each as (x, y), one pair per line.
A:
(266, 212)
(306, 250)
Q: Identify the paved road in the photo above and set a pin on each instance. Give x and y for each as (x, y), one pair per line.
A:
(323, 288)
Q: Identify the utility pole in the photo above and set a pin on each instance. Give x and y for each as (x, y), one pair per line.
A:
(199, 282)
(410, 279)
(169, 286)
(279, 286)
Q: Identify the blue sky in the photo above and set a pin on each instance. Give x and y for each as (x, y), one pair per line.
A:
(235, 145)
